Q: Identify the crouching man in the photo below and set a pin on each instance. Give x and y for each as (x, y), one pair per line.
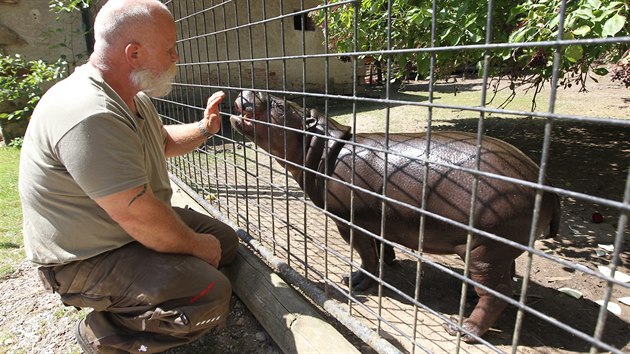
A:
(96, 195)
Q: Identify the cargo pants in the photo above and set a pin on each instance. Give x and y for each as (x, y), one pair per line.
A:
(146, 301)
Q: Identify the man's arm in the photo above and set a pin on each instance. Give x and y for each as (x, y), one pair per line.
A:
(183, 138)
(157, 226)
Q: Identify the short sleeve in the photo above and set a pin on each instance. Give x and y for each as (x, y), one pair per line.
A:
(104, 155)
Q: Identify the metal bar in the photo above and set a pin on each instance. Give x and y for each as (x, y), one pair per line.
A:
(240, 80)
(284, 87)
(425, 178)
(541, 176)
(475, 182)
(616, 261)
(326, 91)
(253, 83)
(556, 116)
(303, 50)
(385, 176)
(281, 17)
(204, 10)
(353, 170)
(267, 71)
(218, 68)
(542, 44)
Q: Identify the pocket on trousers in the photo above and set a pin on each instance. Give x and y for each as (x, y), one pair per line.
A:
(98, 303)
(162, 321)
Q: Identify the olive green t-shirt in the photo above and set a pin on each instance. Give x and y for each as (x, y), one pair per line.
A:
(84, 143)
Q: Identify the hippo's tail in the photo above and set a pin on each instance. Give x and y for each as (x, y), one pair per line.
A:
(554, 225)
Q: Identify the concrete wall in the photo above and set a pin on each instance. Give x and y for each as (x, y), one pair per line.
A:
(27, 27)
(207, 35)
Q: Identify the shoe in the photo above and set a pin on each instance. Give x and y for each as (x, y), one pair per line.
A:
(83, 338)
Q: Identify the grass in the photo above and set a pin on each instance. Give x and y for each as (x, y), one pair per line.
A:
(11, 245)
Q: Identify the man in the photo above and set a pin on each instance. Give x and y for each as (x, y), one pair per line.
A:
(96, 194)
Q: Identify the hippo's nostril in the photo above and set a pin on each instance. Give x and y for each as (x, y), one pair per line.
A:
(247, 111)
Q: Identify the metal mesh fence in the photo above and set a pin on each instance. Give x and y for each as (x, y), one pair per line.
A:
(456, 209)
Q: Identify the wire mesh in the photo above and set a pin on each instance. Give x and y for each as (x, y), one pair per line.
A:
(582, 155)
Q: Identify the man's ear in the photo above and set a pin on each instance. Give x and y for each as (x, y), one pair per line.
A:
(134, 53)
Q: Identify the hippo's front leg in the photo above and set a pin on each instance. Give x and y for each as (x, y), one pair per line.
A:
(366, 248)
(389, 256)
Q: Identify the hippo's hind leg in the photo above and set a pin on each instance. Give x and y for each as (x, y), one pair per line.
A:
(367, 250)
(494, 270)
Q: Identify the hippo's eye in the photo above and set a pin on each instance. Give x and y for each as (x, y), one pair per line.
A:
(279, 107)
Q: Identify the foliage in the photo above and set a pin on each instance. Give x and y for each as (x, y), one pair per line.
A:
(410, 28)
(538, 21)
(70, 27)
(17, 142)
(21, 83)
(58, 6)
(11, 250)
(460, 23)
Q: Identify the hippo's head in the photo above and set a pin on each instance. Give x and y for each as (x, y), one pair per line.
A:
(273, 124)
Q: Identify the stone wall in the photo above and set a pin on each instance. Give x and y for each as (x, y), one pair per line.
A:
(29, 28)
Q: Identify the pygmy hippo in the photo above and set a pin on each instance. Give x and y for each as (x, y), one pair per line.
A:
(503, 208)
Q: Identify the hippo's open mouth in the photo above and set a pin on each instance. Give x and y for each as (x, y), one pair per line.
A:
(242, 121)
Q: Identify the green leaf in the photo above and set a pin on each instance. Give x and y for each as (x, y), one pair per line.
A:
(574, 53)
(594, 4)
(586, 14)
(600, 15)
(522, 34)
(475, 38)
(554, 21)
(614, 5)
(613, 25)
(601, 71)
(582, 31)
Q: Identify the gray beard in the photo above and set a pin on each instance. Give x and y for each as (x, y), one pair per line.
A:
(152, 85)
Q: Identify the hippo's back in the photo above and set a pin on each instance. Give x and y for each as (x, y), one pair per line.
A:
(501, 205)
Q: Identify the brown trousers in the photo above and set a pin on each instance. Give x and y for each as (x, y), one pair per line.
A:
(146, 301)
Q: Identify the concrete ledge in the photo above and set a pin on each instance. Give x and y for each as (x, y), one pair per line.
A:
(287, 317)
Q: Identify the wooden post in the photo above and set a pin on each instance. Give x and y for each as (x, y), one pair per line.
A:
(292, 322)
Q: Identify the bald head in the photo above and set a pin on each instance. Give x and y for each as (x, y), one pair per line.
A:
(120, 22)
